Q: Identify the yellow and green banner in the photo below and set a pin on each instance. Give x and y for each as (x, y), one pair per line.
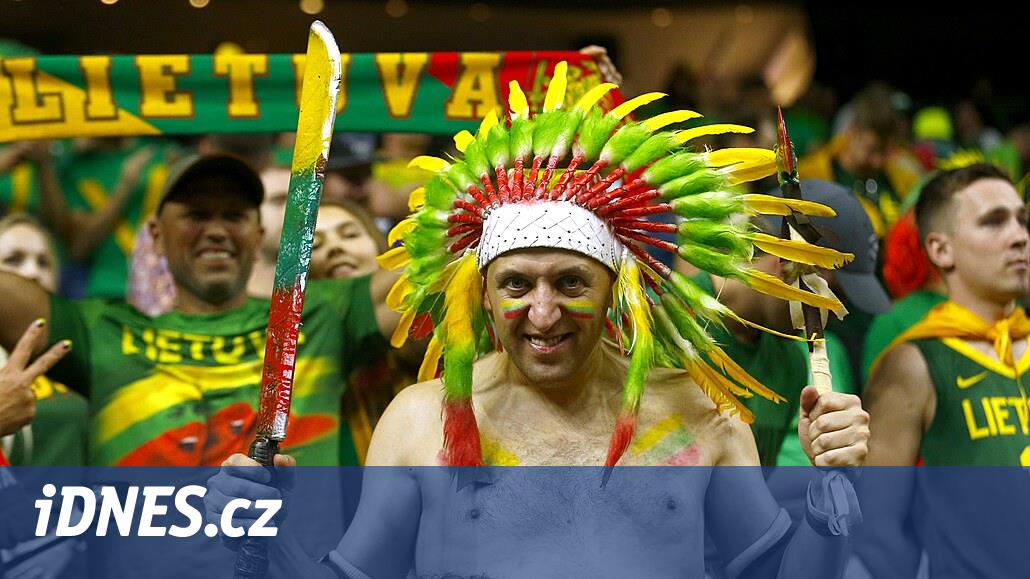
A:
(47, 97)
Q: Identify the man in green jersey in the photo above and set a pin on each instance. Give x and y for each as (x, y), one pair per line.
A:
(948, 391)
(180, 389)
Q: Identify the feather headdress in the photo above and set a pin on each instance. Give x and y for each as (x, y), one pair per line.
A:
(509, 174)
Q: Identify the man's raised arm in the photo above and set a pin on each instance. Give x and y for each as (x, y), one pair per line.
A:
(21, 302)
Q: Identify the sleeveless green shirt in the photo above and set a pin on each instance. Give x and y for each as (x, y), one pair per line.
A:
(982, 417)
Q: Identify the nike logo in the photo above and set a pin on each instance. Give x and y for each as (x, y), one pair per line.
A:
(964, 383)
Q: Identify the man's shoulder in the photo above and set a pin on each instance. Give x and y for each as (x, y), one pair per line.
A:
(410, 432)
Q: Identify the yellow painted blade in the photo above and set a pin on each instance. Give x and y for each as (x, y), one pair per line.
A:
(769, 205)
(517, 102)
(593, 95)
(462, 140)
(665, 119)
(429, 163)
(634, 103)
(321, 85)
(800, 251)
(773, 286)
(556, 88)
(708, 130)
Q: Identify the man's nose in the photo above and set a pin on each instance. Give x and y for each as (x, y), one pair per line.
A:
(544, 310)
(216, 229)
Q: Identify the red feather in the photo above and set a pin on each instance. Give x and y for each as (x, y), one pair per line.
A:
(421, 327)
(563, 181)
(461, 434)
(625, 426)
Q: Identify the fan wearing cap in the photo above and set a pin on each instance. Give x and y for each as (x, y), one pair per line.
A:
(781, 363)
(547, 269)
(180, 388)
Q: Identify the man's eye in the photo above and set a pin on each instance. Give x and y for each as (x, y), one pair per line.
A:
(516, 284)
(571, 282)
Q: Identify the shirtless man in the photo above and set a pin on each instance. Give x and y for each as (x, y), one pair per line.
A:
(555, 405)
(546, 267)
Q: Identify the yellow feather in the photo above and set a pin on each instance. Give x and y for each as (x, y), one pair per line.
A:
(400, 290)
(634, 103)
(429, 163)
(462, 140)
(417, 199)
(740, 375)
(394, 258)
(707, 130)
(745, 172)
(489, 121)
(398, 232)
(461, 299)
(666, 119)
(769, 205)
(731, 314)
(517, 103)
(400, 333)
(734, 155)
(432, 360)
(769, 285)
(593, 95)
(800, 251)
(556, 88)
(716, 387)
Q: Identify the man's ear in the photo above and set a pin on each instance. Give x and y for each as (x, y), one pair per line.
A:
(486, 298)
(939, 249)
(154, 228)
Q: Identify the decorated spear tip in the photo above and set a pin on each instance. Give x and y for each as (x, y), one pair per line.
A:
(784, 148)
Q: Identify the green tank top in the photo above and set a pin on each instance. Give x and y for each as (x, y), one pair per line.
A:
(982, 417)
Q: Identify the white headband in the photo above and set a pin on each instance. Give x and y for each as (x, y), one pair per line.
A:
(555, 224)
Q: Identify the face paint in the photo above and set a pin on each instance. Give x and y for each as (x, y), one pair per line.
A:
(583, 309)
(514, 308)
(667, 443)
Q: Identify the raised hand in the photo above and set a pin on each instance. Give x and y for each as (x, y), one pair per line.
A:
(17, 400)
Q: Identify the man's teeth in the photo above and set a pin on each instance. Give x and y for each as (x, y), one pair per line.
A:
(545, 341)
(216, 254)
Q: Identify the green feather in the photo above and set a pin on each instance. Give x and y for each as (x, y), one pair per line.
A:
(424, 242)
(674, 166)
(624, 142)
(719, 235)
(475, 158)
(457, 370)
(547, 131)
(720, 264)
(439, 195)
(462, 177)
(593, 134)
(656, 146)
(521, 137)
(497, 146)
(703, 304)
(429, 267)
(692, 184)
(687, 325)
(714, 205)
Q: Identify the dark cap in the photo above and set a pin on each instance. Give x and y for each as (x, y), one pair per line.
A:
(194, 166)
(850, 232)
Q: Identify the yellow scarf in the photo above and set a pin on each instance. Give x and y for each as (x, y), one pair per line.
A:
(950, 320)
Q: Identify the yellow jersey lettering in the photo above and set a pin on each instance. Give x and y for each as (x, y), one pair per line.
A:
(228, 357)
(148, 338)
(196, 345)
(169, 346)
(1019, 404)
(257, 339)
(128, 342)
(1001, 415)
(976, 432)
(985, 402)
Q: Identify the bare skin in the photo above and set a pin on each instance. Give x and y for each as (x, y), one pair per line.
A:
(551, 399)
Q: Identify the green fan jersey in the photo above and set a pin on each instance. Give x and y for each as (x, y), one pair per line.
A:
(183, 389)
(982, 417)
(58, 433)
